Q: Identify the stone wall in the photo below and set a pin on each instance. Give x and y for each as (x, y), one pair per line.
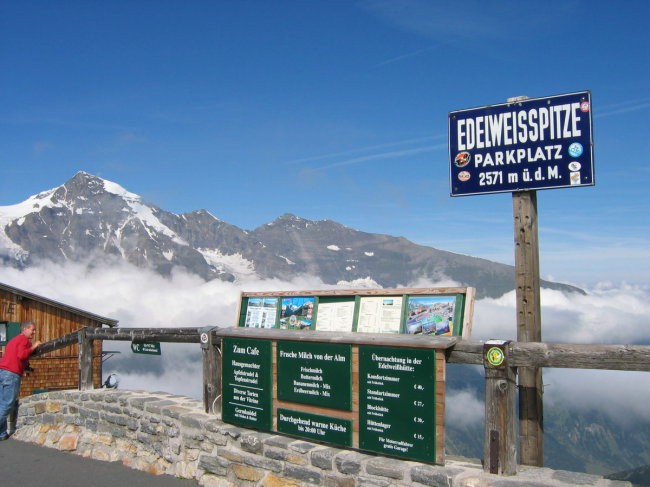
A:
(166, 434)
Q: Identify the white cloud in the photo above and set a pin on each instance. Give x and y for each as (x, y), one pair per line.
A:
(463, 407)
(425, 282)
(622, 395)
(140, 298)
(606, 314)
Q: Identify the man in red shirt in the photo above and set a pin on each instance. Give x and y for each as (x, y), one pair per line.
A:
(12, 366)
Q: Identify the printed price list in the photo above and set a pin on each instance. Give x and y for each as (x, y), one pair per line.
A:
(397, 401)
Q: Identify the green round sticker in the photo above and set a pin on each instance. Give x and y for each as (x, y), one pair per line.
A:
(495, 356)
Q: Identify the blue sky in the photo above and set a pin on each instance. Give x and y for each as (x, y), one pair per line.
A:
(330, 110)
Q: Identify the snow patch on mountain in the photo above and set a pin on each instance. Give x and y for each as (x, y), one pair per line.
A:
(33, 204)
(18, 212)
(116, 189)
(235, 264)
(151, 223)
(287, 260)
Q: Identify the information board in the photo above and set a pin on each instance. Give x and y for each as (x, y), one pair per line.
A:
(319, 374)
(315, 426)
(247, 384)
(529, 144)
(415, 311)
(397, 401)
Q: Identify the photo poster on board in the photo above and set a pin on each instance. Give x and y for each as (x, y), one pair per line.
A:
(297, 312)
(260, 312)
(440, 315)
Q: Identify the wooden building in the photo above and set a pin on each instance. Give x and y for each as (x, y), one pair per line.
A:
(55, 370)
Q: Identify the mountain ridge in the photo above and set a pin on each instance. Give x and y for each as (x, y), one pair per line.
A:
(90, 217)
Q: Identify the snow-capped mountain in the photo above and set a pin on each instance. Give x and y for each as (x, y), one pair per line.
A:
(89, 218)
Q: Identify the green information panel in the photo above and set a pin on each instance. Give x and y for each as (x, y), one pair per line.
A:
(397, 402)
(247, 383)
(315, 373)
(315, 426)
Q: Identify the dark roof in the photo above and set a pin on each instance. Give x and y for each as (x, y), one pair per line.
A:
(56, 304)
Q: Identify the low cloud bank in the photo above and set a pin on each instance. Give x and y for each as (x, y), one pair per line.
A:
(141, 298)
(607, 314)
(463, 407)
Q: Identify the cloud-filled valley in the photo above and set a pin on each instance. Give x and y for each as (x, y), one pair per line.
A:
(141, 298)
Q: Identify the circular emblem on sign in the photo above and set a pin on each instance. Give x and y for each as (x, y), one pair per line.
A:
(584, 106)
(462, 159)
(204, 338)
(575, 149)
(464, 176)
(495, 356)
(574, 166)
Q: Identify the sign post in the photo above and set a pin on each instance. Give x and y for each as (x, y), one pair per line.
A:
(522, 146)
(529, 326)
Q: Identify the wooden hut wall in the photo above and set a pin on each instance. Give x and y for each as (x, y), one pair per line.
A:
(59, 369)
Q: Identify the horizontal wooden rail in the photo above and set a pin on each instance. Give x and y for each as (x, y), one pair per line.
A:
(56, 344)
(173, 335)
(522, 354)
(559, 355)
(581, 356)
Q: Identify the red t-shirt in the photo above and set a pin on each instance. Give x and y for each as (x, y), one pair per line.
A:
(16, 354)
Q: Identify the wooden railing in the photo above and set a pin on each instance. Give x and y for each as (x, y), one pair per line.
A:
(500, 390)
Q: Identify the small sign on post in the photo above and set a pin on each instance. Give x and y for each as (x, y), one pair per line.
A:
(146, 348)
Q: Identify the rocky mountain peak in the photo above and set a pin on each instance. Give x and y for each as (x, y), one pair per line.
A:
(91, 218)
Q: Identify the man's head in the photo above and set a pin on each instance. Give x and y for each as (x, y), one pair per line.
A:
(27, 328)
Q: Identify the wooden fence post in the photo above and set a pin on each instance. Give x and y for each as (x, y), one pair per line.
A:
(211, 348)
(85, 360)
(529, 326)
(499, 447)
